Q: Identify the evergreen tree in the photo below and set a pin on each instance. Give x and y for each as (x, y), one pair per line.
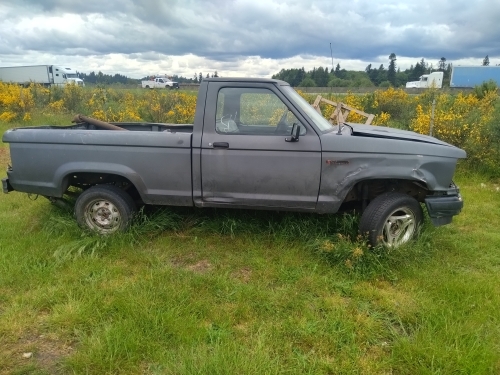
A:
(320, 77)
(391, 72)
(381, 75)
(200, 77)
(301, 74)
(442, 64)
(486, 61)
(423, 64)
(417, 71)
(337, 70)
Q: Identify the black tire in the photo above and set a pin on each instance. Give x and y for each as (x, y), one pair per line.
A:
(391, 219)
(147, 86)
(104, 209)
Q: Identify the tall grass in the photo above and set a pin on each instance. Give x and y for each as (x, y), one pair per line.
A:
(208, 291)
(226, 291)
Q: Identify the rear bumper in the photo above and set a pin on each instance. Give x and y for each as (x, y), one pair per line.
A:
(6, 186)
(441, 209)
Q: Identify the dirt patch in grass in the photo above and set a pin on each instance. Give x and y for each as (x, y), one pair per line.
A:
(188, 262)
(4, 157)
(36, 352)
(203, 266)
(244, 275)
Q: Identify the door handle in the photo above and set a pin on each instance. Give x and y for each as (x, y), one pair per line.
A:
(221, 145)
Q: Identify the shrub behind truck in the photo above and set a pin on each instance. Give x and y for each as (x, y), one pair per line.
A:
(255, 143)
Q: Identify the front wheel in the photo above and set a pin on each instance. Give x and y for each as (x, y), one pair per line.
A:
(391, 219)
(104, 209)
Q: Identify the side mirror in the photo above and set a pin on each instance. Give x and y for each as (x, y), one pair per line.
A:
(294, 136)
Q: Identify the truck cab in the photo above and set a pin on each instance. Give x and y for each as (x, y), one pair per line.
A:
(434, 79)
(71, 77)
(160, 83)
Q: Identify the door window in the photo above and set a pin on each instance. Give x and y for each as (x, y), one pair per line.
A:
(253, 111)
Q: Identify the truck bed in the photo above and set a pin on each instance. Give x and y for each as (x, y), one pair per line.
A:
(131, 126)
(155, 158)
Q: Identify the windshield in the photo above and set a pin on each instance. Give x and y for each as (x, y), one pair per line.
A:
(318, 120)
(71, 75)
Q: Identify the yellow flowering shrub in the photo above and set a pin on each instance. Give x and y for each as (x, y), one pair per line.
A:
(56, 106)
(184, 110)
(463, 119)
(169, 107)
(16, 102)
(459, 119)
(381, 119)
(72, 97)
(354, 101)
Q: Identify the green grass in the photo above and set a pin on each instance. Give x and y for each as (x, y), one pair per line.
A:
(203, 291)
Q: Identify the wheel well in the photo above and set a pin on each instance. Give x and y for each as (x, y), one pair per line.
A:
(85, 180)
(367, 190)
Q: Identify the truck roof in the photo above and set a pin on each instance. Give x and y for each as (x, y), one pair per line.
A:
(245, 79)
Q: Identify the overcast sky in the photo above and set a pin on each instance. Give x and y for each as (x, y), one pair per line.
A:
(252, 38)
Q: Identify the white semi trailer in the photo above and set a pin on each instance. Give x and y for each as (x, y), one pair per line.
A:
(434, 79)
(46, 75)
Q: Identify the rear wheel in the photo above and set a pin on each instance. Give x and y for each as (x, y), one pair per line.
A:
(391, 219)
(104, 209)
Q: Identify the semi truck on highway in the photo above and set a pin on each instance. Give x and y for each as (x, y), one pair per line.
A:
(434, 79)
(46, 75)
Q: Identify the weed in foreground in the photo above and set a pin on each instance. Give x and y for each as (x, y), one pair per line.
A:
(358, 258)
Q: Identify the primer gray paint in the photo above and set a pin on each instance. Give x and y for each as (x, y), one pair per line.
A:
(178, 164)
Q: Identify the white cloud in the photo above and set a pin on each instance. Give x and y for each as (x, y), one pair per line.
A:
(244, 37)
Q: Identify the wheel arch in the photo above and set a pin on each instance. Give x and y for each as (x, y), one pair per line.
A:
(86, 175)
(368, 189)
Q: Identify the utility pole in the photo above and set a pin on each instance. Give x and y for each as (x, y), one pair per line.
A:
(331, 53)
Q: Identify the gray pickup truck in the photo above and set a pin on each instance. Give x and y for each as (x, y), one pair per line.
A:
(255, 143)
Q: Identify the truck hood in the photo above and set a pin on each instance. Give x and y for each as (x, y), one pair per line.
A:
(379, 139)
(413, 84)
(360, 130)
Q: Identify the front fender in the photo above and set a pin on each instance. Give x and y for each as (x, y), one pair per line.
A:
(340, 172)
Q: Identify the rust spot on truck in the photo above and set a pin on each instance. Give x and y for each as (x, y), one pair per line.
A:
(337, 162)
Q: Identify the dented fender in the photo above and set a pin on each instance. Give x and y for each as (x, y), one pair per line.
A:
(430, 164)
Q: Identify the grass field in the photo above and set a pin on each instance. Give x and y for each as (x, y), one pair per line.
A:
(190, 291)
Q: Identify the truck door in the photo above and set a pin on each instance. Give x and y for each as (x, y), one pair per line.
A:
(245, 160)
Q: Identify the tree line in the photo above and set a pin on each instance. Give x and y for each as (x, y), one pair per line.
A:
(106, 79)
(371, 76)
(319, 77)
(102, 78)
